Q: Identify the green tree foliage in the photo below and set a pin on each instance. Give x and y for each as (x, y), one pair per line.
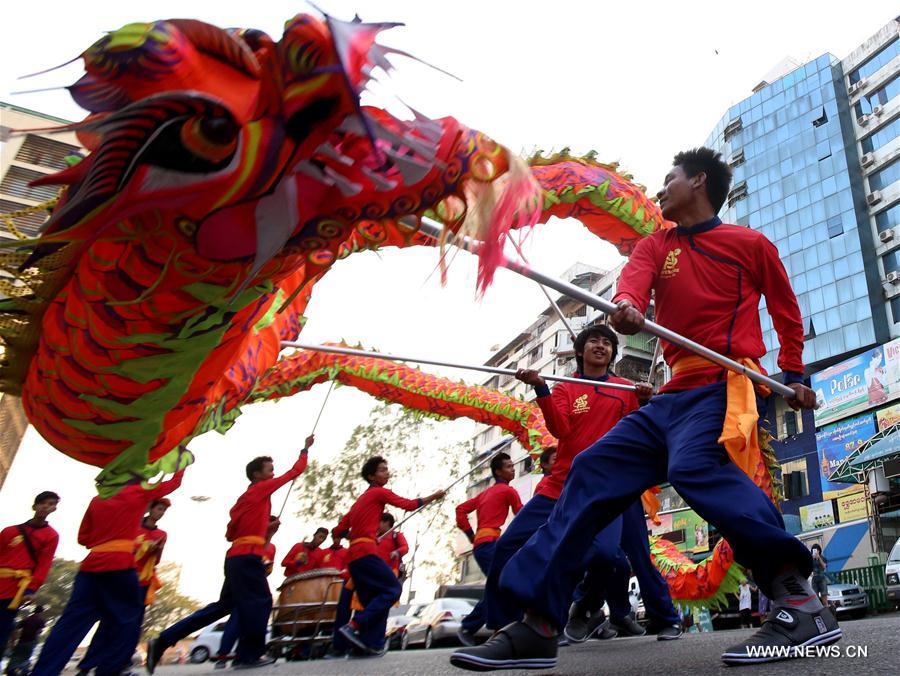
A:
(418, 466)
(170, 604)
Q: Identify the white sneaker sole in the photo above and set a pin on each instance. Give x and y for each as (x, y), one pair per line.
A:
(827, 638)
(476, 663)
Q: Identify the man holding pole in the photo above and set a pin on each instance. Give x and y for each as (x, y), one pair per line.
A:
(374, 582)
(491, 508)
(699, 434)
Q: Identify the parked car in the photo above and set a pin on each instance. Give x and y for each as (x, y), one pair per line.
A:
(438, 621)
(398, 619)
(206, 645)
(848, 599)
(892, 574)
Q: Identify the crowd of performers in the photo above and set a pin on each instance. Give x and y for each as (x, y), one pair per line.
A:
(568, 550)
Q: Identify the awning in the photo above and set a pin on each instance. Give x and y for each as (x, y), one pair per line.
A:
(880, 447)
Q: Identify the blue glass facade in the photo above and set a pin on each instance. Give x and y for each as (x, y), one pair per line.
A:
(797, 179)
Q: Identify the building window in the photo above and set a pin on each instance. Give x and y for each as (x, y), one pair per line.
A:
(788, 422)
(881, 137)
(835, 226)
(737, 193)
(28, 224)
(888, 218)
(45, 152)
(822, 119)
(895, 309)
(536, 353)
(876, 62)
(733, 128)
(793, 475)
(879, 97)
(877, 181)
(16, 181)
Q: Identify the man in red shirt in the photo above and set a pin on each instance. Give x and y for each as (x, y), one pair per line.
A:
(577, 415)
(491, 508)
(305, 556)
(375, 583)
(335, 556)
(106, 587)
(393, 547)
(148, 547)
(707, 279)
(245, 590)
(26, 553)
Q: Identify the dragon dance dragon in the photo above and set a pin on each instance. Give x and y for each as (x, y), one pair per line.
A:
(227, 173)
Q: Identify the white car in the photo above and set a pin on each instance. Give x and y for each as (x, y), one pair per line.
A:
(206, 645)
(892, 574)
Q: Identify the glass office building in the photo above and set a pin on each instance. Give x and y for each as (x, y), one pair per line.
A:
(797, 179)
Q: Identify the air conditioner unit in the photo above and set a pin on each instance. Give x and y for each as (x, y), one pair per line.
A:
(862, 120)
(561, 361)
(893, 277)
(867, 160)
(855, 87)
(873, 198)
(886, 235)
(877, 111)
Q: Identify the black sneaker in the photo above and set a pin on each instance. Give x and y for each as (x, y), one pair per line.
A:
(626, 626)
(349, 632)
(221, 663)
(516, 646)
(465, 637)
(154, 651)
(261, 662)
(783, 635)
(669, 632)
(582, 625)
(604, 632)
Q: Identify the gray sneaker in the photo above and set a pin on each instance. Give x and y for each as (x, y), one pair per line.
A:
(516, 646)
(785, 634)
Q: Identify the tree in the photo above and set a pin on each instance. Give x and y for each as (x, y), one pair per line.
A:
(405, 439)
(169, 605)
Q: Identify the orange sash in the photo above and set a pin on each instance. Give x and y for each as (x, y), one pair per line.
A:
(487, 532)
(248, 540)
(740, 434)
(119, 546)
(651, 504)
(357, 540)
(24, 576)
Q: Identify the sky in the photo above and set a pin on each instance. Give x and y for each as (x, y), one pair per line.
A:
(634, 81)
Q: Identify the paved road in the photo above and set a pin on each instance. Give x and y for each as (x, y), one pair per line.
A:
(693, 654)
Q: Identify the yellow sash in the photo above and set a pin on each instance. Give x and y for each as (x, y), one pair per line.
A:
(358, 540)
(249, 540)
(486, 532)
(24, 576)
(739, 430)
(121, 546)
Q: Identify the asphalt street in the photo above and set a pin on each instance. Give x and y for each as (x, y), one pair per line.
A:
(869, 646)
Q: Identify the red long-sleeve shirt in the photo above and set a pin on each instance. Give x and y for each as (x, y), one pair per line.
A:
(118, 518)
(578, 415)
(14, 553)
(302, 557)
(707, 280)
(334, 557)
(396, 541)
(491, 508)
(364, 516)
(147, 561)
(250, 514)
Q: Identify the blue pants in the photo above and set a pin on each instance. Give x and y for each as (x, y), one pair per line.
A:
(113, 598)
(341, 617)
(378, 590)
(484, 555)
(95, 650)
(245, 593)
(7, 623)
(673, 438)
(605, 581)
(229, 635)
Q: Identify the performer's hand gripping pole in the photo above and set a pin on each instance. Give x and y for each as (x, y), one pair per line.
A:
(434, 229)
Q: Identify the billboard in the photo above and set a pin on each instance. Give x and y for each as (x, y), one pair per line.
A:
(835, 443)
(816, 515)
(852, 507)
(888, 416)
(685, 529)
(864, 381)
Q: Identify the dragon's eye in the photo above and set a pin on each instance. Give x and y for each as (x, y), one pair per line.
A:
(211, 138)
(195, 144)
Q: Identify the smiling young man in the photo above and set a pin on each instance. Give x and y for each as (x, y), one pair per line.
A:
(372, 579)
(26, 554)
(707, 279)
(491, 508)
(577, 415)
(305, 556)
(245, 589)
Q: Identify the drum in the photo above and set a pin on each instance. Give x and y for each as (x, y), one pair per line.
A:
(307, 602)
